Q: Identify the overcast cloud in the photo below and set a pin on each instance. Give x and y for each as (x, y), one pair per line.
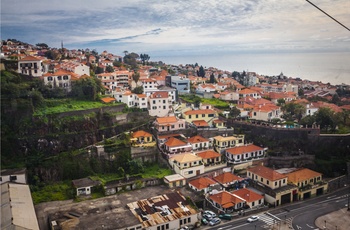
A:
(179, 25)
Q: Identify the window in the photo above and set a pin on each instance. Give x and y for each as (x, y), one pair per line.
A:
(164, 107)
(59, 78)
(190, 172)
(189, 219)
(275, 183)
(189, 116)
(158, 227)
(13, 178)
(65, 77)
(203, 115)
(267, 182)
(210, 115)
(196, 115)
(164, 101)
(154, 102)
(167, 226)
(284, 181)
(180, 222)
(262, 179)
(49, 78)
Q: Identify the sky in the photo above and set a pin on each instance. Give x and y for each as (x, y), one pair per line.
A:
(180, 27)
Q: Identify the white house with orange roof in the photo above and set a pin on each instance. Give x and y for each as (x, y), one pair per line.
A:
(59, 79)
(220, 86)
(198, 143)
(229, 96)
(226, 201)
(149, 84)
(286, 96)
(76, 67)
(188, 165)
(141, 101)
(245, 153)
(169, 123)
(31, 66)
(253, 199)
(174, 146)
(159, 104)
(265, 112)
(206, 88)
(227, 179)
(249, 93)
(204, 184)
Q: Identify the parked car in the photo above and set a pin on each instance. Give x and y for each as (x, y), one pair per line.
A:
(208, 212)
(214, 221)
(207, 216)
(252, 219)
(225, 216)
(204, 221)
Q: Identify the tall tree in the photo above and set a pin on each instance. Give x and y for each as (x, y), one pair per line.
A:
(201, 72)
(325, 117)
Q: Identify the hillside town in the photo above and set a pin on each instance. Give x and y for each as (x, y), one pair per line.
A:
(213, 161)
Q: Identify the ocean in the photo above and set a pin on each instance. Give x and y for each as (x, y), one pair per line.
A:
(325, 67)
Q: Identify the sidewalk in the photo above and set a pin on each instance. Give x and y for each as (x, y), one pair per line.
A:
(338, 220)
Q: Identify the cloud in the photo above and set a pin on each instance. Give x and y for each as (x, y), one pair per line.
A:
(179, 24)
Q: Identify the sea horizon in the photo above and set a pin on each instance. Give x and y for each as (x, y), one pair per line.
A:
(327, 67)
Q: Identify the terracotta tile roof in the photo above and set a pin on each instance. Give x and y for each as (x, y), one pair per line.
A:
(30, 58)
(248, 195)
(227, 177)
(200, 111)
(108, 99)
(244, 149)
(141, 133)
(200, 123)
(197, 139)
(173, 142)
(141, 95)
(218, 121)
(247, 91)
(202, 182)
(166, 120)
(228, 138)
(185, 158)
(159, 95)
(302, 175)
(226, 199)
(266, 173)
(209, 154)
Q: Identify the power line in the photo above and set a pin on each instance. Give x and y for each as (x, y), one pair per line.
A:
(328, 15)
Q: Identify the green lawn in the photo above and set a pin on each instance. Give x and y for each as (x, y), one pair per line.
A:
(66, 105)
(58, 191)
(155, 171)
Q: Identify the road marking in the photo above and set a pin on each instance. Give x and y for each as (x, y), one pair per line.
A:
(229, 226)
(299, 227)
(309, 226)
(331, 196)
(273, 216)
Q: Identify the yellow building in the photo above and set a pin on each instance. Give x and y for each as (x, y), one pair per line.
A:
(142, 138)
(221, 143)
(200, 114)
(309, 182)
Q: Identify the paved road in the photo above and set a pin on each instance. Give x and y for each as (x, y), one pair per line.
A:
(300, 215)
